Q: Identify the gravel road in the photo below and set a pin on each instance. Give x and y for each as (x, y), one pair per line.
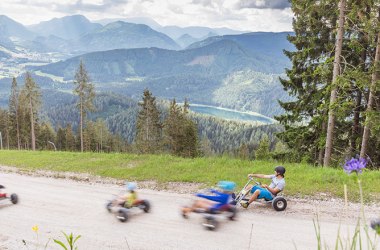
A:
(57, 205)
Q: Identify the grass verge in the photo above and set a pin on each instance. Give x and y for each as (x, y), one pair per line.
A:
(302, 180)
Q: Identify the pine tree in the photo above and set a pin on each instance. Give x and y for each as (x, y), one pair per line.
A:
(371, 98)
(86, 93)
(262, 152)
(173, 133)
(243, 152)
(69, 138)
(190, 143)
(24, 120)
(336, 73)
(46, 137)
(305, 116)
(148, 125)
(4, 128)
(309, 80)
(33, 99)
(180, 132)
(60, 139)
(14, 112)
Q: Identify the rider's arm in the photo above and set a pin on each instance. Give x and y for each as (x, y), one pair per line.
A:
(274, 190)
(218, 197)
(264, 176)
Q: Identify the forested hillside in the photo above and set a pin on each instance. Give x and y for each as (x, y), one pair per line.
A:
(120, 114)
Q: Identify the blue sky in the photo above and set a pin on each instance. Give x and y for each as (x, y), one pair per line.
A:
(248, 15)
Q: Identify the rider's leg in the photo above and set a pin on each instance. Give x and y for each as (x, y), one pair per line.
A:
(247, 189)
(254, 196)
(255, 193)
(202, 204)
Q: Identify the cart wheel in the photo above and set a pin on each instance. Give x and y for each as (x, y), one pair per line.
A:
(279, 203)
(211, 223)
(145, 206)
(232, 210)
(109, 206)
(14, 198)
(122, 215)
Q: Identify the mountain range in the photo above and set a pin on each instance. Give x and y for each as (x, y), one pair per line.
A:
(237, 71)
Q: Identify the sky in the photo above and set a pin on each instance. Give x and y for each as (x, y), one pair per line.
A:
(244, 15)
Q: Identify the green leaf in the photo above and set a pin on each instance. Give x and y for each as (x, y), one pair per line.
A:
(61, 244)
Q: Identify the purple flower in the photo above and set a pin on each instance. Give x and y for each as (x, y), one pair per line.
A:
(355, 165)
(375, 224)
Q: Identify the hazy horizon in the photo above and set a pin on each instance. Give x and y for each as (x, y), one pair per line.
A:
(242, 15)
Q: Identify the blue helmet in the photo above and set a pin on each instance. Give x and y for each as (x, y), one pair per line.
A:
(131, 186)
(228, 186)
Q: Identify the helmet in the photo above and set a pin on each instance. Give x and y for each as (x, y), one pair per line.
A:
(227, 185)
(280, 170)
(131, 186)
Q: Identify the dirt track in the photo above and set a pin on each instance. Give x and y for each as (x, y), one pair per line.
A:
(57, 205)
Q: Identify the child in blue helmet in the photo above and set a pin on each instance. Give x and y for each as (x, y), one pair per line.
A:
(213, 202)
(130, 197)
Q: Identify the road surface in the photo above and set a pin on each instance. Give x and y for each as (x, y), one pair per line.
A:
(57, 205)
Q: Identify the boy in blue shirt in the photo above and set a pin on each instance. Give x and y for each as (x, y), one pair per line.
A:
(213, 202)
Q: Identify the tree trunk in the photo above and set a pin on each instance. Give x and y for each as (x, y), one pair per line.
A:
(18, 131)
(333, 96)
(81, 126)
(32, 124)
(370, 104)
(321, 150)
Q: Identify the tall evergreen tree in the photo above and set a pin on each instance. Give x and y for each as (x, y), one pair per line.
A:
(69, 138)
(180, 132)
(60, 139)
(14, 112)
(336, 73)
(262, 152)
(148, 125)
(4, 128)
(86, 93)
(173, 132)
(33, 99)
(46, 137)
(372, 94)
(309, 80)
(24, 120)
(305, 116)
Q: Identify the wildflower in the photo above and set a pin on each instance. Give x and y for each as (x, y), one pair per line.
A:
(375, 224)
(355, 165)
(35, 228)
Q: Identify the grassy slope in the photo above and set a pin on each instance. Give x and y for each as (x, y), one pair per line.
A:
(302, 179)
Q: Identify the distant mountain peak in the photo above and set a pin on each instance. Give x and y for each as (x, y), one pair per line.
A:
(67, 27)
(122, 34)
(11, 28)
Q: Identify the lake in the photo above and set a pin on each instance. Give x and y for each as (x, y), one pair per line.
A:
(230, 114)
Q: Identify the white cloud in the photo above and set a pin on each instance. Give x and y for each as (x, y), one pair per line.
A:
(263, 4)
(248, 15)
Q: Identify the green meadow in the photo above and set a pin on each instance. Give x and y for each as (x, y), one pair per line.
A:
(302, 180)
